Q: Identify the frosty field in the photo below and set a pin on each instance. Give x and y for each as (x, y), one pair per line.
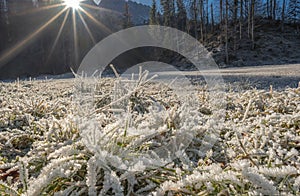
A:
(63, 137)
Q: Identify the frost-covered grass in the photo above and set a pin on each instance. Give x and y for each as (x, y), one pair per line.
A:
(112, 138)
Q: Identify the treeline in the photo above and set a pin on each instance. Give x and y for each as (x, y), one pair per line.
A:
(231, 20)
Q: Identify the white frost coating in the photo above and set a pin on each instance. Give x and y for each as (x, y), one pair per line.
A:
(265, 186)
(263, 158)
(91, 178)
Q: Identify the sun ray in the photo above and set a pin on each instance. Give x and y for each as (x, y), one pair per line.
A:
(87, 28)
(75, 37)
(36, 10)
(100, 8)
(15, 50)
(58, 35)
(101, 25)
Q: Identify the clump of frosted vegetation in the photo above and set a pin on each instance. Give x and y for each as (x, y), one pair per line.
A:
(137, 137)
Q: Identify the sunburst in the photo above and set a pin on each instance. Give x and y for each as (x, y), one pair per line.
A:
(77, 7)
(75, 4)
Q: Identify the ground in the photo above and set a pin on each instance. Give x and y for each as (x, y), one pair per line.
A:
(118, 137)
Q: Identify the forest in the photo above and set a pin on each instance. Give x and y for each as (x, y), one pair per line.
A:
(238, 32)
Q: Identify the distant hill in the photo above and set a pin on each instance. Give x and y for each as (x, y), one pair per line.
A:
(139, 12)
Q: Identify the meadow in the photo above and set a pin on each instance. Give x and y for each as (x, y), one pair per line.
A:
(114, 137)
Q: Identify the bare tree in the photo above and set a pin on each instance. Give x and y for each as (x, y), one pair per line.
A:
(241, 17)
(201, 13)
(181, 15)
(268, 8)
(252, 22)
(282, 15)
(195, 17)
(207, 16)
(226, 33)
(249, 17)
(271, 9)
(206, 19)
(274, 9)
(235, 11)
(221, 11)
(127, 17)
(212, 17)
(294, 11)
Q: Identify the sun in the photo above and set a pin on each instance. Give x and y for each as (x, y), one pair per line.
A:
(75, 4)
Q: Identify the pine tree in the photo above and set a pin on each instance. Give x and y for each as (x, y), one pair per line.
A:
(181, 15)
(153, 14)
(159, 18)
(173, 13)
(167, 15)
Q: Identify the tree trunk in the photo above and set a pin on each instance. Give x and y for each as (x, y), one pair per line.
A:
(194, 8)
(173, 17)
(268, 9)
(274, 9)
(205, 19)
(249, 18)
(241, 18)
(201, 12)
(207, 16)
(221, 11)
(235, 11)
(127, 18)
(212, 17)
(271, 9)
(226, 33)
(252, 22)
(153, 14)
(282, 16)
(235, 23)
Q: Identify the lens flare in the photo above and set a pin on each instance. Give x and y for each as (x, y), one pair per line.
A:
(75, 4)
(76, 7)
